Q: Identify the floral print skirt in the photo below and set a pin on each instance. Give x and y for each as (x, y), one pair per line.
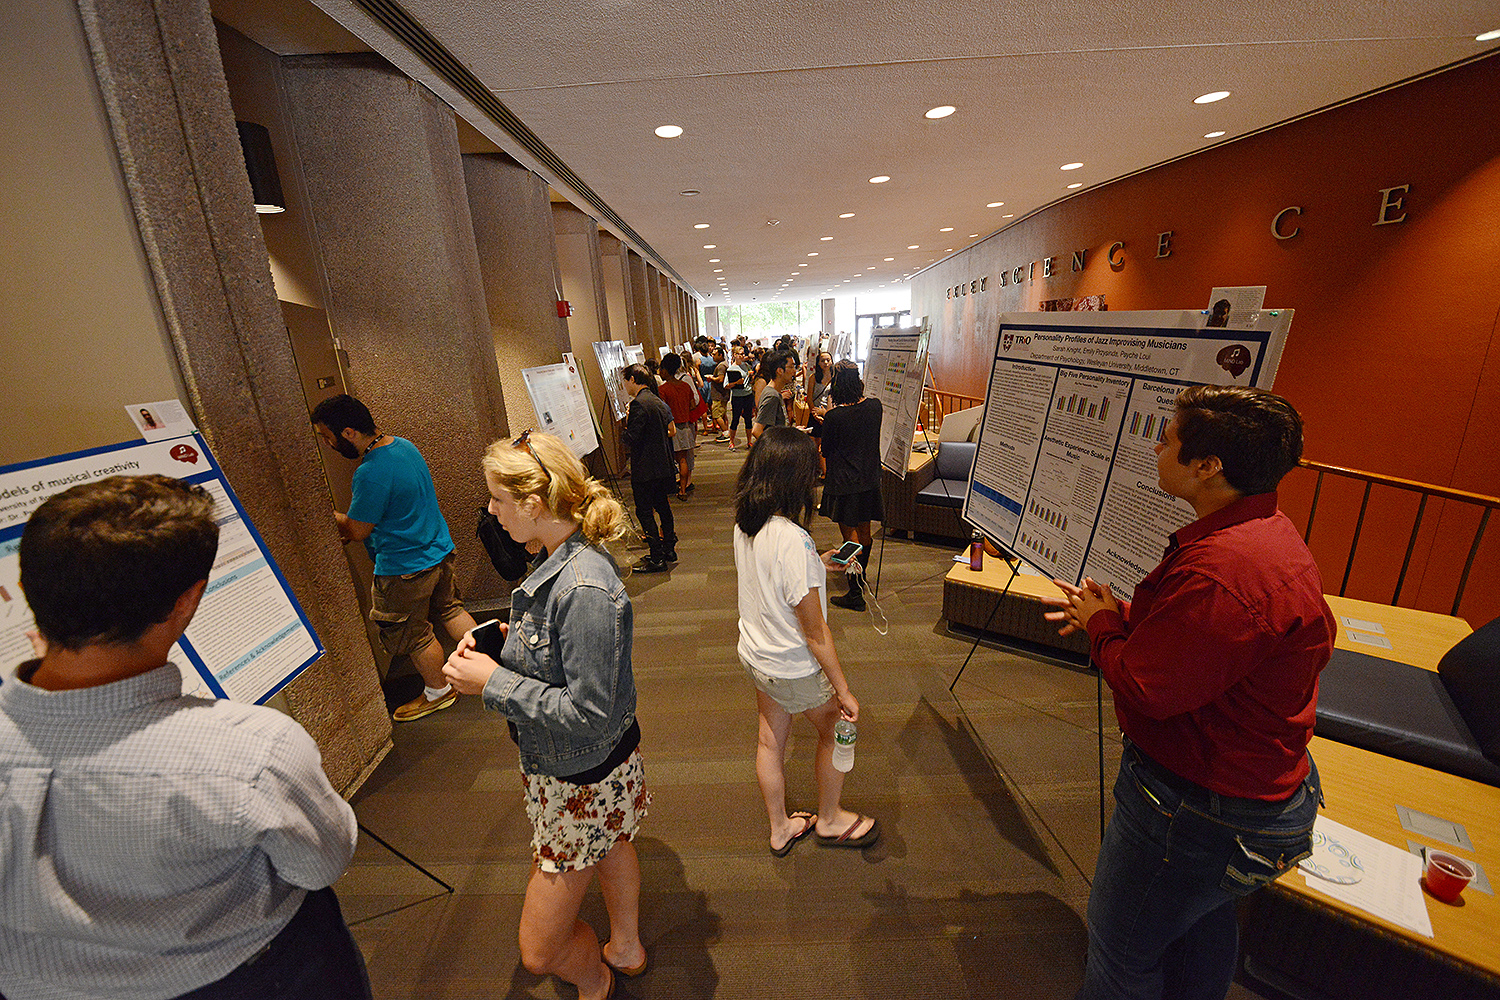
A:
(574, 826)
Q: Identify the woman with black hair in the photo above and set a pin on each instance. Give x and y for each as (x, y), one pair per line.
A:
(785, 644)
(851, 449)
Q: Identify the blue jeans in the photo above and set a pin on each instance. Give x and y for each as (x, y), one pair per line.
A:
(1174, 860)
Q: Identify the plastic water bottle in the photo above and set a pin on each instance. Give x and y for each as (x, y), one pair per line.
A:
(844, 735)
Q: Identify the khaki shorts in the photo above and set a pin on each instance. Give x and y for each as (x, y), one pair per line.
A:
(797, 694)
(716, 409)
(405, 606)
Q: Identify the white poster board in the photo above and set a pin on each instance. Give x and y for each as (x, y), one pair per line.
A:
(894, 373)
(635, 354)
(1065, 469)
(249, 638)
(557, 394)
(611, 355)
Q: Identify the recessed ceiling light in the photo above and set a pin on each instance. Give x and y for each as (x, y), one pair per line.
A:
(690, 193)
(942, 111)
(946, 229)
(701, 225)
(973, 236)
(913, 247)
(669, 131)
(801, 265)
(825, 239)
(995, 204)
(1077, 184)
(879, 180)
(1007, 216)
(1071, 166)
(847, 215)
(1488, 36)
(1212, 135)
(1217, 95)
(890, 258)
(813, 254)
(718, 270)
(947, 250)
(713, 260)
(710, 246)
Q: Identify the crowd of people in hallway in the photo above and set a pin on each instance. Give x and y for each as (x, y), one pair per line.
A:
(182, 847)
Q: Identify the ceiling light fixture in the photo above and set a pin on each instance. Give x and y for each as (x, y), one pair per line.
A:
(701, 225)
(1071, 166)
(973, 236)
(690, 193)
(710, 246)
(1488, 36)
(1217, 95)
(847, 215)
(1075, 184)
(890, 258)
(713, 260)
(1212, 135)
(995, 204)
(913, 247)
(801, 265)
(942, 111)
(669, 131)
(825, 239)
(946, 229)
(1007, 216)
(718, 270)
(881, 179)
(813, 254)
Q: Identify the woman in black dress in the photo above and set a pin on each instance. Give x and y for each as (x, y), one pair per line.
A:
(851, 490)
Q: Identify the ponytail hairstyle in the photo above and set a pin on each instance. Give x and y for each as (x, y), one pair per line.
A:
(779, 477)
(541, 465)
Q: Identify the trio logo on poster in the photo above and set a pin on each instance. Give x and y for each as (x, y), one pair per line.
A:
(1009, 340)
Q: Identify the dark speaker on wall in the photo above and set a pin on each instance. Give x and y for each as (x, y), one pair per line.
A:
(260, 164)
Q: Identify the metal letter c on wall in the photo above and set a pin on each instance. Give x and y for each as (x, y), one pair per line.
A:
(1276, 223)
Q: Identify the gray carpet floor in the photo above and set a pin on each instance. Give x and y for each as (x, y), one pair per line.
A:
(988, 798)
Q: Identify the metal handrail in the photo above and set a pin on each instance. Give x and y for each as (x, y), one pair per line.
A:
(1425, 491)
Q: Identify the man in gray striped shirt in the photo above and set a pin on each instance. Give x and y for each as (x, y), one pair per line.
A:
(154, 845)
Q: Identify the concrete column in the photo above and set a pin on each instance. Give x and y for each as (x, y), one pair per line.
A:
(388, 208)
(617, 296)
(168, 109)
(518, 259)
(648, 302)
(583, 283)
(711, 321)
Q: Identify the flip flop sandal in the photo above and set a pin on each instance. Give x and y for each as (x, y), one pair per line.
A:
(844, 840)
(812, 824)
(631, 972)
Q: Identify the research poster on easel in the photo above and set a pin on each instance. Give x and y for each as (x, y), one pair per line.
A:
(249, 638)
(635, 354)
(894, 374)
(611, 355)
(557, 395)
(1065, 469)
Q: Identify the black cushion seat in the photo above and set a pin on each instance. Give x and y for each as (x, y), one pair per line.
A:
(953, 461)
(1400, 711)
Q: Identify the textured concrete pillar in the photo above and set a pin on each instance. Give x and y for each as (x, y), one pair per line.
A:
(647, 320)
(518, 258)
(162, 81)
(711, 321)
(386, 196)
(582, 269)
(616, 263)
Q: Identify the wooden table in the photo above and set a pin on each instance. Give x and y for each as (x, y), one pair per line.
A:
(969, 601)
(1419, 638)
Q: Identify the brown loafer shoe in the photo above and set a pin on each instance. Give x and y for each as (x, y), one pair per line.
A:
(420, 706)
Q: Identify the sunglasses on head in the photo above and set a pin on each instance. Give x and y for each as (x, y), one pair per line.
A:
(524, 441)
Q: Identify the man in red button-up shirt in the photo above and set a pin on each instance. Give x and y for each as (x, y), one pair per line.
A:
(1214, 670)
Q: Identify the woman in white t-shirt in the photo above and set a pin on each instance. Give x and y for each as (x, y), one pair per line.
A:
(784, 643)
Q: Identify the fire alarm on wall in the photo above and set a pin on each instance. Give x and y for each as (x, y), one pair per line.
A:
(564, 308)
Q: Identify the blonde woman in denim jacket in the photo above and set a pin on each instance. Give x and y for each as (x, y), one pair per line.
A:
(565, 685)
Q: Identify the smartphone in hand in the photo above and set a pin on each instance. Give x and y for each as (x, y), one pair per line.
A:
(489, 639)
(846, 552)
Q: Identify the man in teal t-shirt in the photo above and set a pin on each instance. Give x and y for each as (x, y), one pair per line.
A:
(394, 511)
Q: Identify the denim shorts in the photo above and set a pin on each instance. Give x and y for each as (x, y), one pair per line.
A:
(795, 694)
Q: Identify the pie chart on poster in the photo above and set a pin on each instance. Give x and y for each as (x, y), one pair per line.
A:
(1331, 861)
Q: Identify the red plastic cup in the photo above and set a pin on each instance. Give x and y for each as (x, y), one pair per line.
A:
(1446, 876)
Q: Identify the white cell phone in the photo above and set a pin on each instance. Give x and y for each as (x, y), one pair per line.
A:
(846, 552)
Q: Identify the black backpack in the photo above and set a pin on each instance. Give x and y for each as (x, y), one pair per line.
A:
(509, 556)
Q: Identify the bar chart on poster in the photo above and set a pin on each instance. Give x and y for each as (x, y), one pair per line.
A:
(1065, 469)
(894, 373)
(249, 638)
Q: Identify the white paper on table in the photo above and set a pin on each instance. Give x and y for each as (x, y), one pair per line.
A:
(1391, 888)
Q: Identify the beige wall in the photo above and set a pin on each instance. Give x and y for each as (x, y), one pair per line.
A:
(83, 332)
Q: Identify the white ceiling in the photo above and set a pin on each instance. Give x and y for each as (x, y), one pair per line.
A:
(789, 108)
